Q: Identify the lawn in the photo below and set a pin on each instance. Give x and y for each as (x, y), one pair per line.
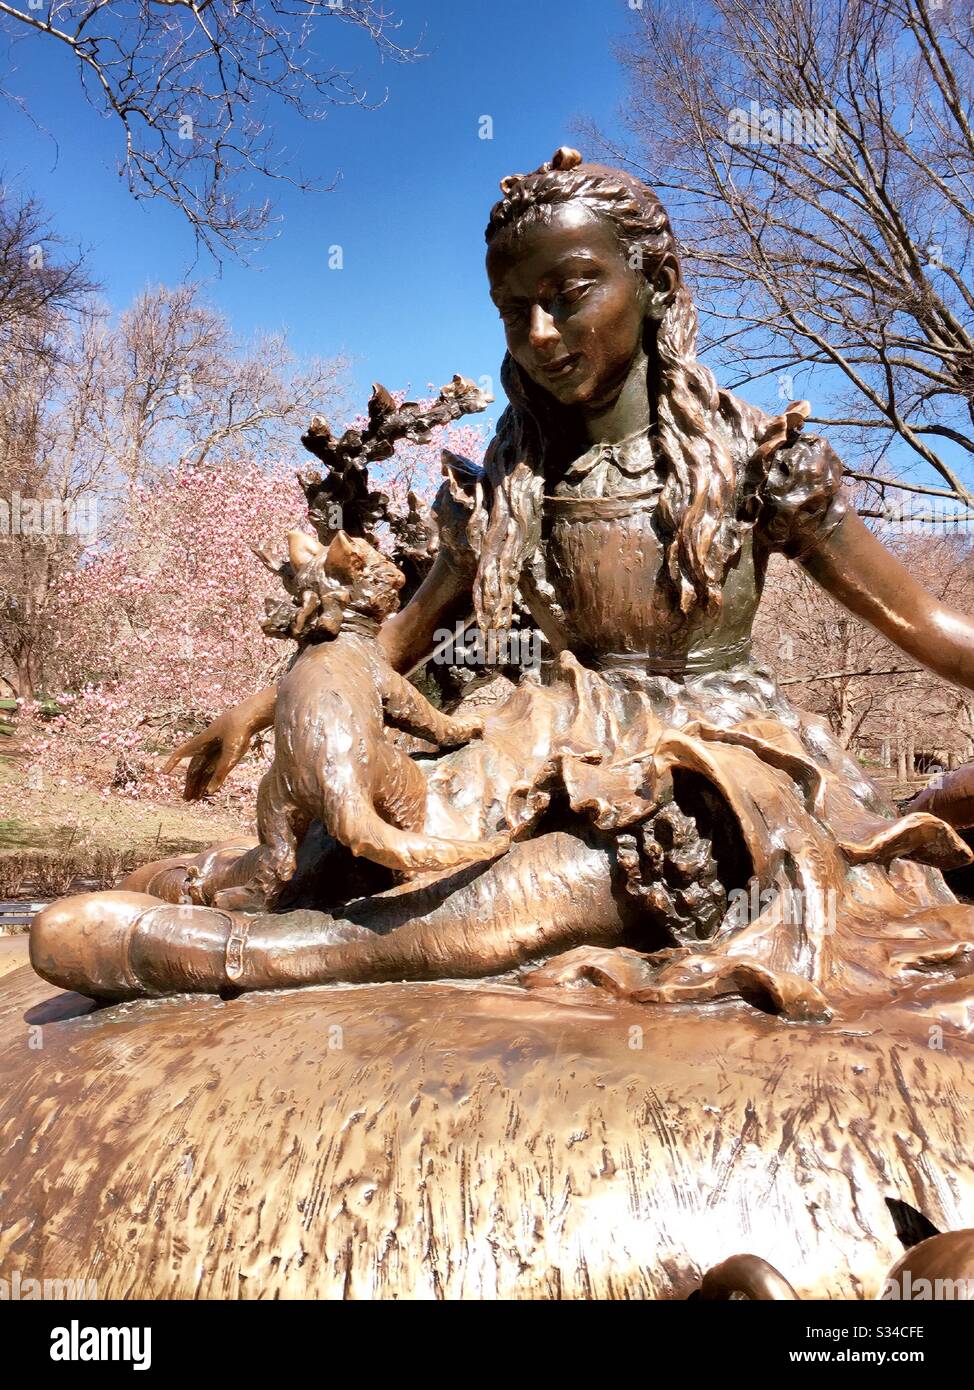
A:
(78, 829)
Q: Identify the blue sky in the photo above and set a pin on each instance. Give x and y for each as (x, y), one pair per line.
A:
(410, 305)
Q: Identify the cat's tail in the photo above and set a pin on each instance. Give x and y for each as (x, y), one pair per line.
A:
(359, 826)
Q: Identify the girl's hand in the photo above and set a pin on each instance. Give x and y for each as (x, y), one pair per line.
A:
(215, 752)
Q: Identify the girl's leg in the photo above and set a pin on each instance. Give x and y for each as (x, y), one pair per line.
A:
(544, 896)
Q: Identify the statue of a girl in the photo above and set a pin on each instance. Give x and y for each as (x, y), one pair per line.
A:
(653, 779)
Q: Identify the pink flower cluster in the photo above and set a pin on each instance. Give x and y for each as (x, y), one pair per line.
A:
(158, 631)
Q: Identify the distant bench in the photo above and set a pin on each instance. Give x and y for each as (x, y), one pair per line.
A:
(16, 917)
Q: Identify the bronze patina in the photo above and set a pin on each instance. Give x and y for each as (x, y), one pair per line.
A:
(644, 979)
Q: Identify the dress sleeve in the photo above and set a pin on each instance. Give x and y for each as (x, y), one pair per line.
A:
(802, 497)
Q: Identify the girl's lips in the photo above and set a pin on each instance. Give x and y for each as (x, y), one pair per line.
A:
(561, 367)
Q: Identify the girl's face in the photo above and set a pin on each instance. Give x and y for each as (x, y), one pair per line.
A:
(573, 309)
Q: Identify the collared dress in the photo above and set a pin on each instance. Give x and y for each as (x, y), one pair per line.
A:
(769, 860)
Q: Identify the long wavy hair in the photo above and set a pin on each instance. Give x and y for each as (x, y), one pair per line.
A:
(696, 506)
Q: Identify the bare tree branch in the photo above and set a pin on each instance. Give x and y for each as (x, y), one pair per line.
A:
(818, 160)
(192, 86)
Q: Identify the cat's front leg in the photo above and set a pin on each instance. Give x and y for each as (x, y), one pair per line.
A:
(275, 862)
(407, 709)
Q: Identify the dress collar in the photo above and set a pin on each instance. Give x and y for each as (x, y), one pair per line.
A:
(632, 455)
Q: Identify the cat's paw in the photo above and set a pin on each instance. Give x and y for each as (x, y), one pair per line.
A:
(241, 899)
(463, 730)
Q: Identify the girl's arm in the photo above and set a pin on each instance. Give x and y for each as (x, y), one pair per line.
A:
(443, 597)
(857, 570)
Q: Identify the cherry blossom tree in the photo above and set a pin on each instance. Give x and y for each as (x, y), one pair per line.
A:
(158, 631)
(117, 404)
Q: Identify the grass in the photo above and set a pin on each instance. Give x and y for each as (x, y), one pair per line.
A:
(70, 825)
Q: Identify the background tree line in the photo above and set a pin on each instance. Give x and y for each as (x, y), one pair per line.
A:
(833, 264)
(164, 450)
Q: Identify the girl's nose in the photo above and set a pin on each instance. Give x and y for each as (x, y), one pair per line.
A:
(542, 331)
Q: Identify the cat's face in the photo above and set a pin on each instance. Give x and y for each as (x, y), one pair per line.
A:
(372, 580)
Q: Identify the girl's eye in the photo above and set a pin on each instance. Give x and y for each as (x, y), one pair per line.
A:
(571, 294)
(511, 316)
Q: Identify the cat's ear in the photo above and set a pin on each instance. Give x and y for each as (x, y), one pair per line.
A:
(301, 548)
(344, 557)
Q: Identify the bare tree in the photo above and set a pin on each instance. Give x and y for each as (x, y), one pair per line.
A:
(55, 462)
(42, 290)
(191, 85)
(39, 284)
(818, 157)
(186, 390)
(841, 669)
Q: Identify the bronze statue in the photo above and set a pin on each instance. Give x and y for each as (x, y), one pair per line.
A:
(646, 829)
(654, 772)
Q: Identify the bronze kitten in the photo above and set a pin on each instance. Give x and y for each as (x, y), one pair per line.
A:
(333, 761)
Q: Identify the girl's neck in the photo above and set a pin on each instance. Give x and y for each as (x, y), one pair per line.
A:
(626, 413)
